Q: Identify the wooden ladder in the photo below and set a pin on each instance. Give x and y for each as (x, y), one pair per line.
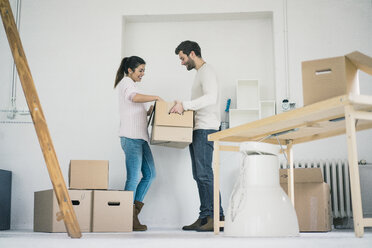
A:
(67, 212)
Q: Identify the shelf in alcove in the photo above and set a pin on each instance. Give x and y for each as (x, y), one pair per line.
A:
(242, 116)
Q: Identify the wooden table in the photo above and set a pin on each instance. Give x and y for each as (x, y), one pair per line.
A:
(335, 116)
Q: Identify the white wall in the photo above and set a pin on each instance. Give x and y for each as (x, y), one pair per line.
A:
(234, 45)
(74, 49)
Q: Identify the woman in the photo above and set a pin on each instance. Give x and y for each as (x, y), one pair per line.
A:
(133, 132)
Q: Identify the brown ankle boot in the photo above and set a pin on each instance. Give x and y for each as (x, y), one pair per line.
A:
(137, 226)
(207, 224)
(194, 226)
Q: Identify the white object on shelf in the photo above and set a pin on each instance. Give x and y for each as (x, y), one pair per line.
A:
(243, 116)
(247, 94)
(249, 106)
(267, 108)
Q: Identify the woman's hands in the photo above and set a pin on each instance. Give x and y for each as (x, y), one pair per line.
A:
(150, 110)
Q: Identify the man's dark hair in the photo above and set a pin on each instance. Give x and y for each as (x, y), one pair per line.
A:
(187, 47)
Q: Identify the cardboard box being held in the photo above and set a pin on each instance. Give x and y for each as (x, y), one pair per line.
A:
(46, 209)
(312, 199)
(112, 211)
(173, 130)
(331, 77)
(88, 174)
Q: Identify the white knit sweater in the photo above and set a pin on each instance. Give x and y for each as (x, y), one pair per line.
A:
(205, 99)
(133, 116)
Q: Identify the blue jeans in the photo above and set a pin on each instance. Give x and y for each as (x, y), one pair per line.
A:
(201, 151)
(138, 158)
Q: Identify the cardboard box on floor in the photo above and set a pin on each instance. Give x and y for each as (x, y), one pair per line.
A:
(46, 209)
(331, 77)
(112, 211)
(173, 130)
(312, 199)
(88, 174)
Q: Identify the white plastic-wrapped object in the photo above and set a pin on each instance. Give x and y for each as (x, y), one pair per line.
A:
(258, 206)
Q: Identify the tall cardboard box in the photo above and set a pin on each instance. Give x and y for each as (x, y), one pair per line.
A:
(88, 174)
(312, 199)
(5, 198)
(331, 77)
(173, 130)
(46, 209)
(112, 211)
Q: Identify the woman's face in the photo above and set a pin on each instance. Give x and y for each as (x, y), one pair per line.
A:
(137, 74)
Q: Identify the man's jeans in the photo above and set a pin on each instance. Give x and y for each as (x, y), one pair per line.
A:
(138, 158)
(201, 151)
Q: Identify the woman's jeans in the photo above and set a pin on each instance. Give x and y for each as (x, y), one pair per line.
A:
(201, 151)
(138, 158)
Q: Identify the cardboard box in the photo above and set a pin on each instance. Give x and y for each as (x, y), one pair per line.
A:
(112, 211)
(88, 174)
(312, 199)
(331, 77)
(46, 209)
(5, 198)
(173, 130)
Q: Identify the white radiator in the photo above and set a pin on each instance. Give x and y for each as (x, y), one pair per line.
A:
(336, 174)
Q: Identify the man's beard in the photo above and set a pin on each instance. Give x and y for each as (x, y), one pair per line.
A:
(190, 64)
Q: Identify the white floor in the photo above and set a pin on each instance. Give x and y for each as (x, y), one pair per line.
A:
(163, 238)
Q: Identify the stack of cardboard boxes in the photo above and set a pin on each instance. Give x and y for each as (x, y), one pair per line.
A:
(97, 209)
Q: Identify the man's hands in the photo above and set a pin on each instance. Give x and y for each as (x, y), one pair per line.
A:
(177, 108)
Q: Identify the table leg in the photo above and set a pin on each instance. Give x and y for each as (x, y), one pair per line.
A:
(289, 152)
(356, 198)
(216, 187)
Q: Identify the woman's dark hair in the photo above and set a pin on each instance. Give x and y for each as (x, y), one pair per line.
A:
(187, 47)
(128, 62)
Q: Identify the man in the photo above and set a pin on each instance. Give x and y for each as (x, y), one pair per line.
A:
(205, 103)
